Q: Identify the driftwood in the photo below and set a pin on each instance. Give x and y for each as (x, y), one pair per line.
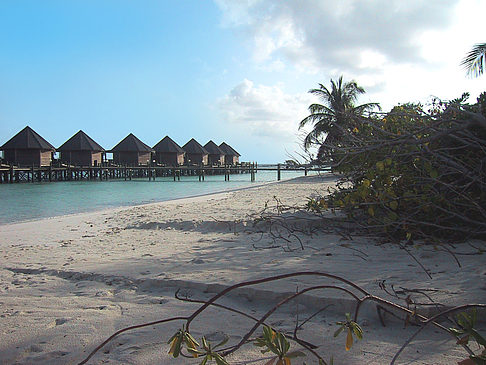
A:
(347, 287)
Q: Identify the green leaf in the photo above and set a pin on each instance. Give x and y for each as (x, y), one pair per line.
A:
(271, 346)
(268, 333)
(295, 354)
(260, 342)
(223, 342)
(349, 340)
(195, 352)
(190, 341)
(219, 359)
(177, 346)
(357, 330)
(205, 343)
(456, 331)
(284, 345)
(174, 336)
(479, 339)
(280, 343)
(271, 361)
(339, 330)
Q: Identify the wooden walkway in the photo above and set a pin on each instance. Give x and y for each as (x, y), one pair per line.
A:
(11, 174)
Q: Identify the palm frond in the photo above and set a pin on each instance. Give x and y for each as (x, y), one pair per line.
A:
(320, 109)
(337, 113)
(474, 62)
(316, 119)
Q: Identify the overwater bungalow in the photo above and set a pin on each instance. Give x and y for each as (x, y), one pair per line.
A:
(27, 148)
(231, 157)
(169, 153)
(132, 151)
(195, 153)
(215, 154)
(81, 150)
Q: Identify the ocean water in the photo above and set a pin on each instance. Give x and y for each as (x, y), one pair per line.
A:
(30, 201)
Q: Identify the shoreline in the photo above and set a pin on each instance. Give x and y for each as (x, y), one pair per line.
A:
(69, 283)
(116, 208)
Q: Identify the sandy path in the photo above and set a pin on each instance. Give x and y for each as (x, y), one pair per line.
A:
(66, 283)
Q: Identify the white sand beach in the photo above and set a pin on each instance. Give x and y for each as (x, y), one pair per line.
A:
(67, 283)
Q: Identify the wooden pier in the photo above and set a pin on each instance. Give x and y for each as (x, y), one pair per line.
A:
(12, 174)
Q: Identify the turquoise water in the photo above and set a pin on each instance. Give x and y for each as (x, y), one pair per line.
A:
(28, 201)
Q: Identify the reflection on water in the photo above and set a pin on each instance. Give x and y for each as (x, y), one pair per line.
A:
(27, 201)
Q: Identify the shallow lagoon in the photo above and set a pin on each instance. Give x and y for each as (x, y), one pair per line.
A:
(28, 201)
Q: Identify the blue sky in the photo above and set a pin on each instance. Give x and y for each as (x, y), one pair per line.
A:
(234, 71)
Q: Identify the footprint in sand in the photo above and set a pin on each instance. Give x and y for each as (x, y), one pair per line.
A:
(198, 261)
(46, 357)
(35, 348)
(58, 322)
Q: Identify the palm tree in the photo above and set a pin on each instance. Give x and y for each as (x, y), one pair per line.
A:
(336, 115)
(474, 62)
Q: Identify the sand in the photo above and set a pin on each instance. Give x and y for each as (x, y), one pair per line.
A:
(67, 283)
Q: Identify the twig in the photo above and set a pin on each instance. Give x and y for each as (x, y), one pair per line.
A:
(415, 259)
(99, 347)
(430, 320)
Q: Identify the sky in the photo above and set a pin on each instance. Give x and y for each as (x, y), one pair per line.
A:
(237, 71)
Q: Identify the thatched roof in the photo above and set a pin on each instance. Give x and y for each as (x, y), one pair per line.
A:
(27, 138)
(167, 145)
(194, 147)
(228, 150)
(131, 144)
(213, 148)
(81, 142)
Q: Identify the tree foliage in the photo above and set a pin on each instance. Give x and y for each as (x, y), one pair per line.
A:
(413, 172)
(336, 113)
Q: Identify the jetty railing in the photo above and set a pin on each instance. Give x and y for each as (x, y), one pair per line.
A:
(14, 174)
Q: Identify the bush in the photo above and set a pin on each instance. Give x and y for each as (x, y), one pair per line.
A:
(411, 173)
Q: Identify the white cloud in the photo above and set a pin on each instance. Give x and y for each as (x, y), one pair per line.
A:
(334, 33)
(399, 51)
(264, 111)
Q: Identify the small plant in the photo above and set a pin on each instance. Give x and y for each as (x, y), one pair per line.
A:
(316, 205)
(277, 343)
(466, 332)
(209, 353)
(182, 337)
(352, 327)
